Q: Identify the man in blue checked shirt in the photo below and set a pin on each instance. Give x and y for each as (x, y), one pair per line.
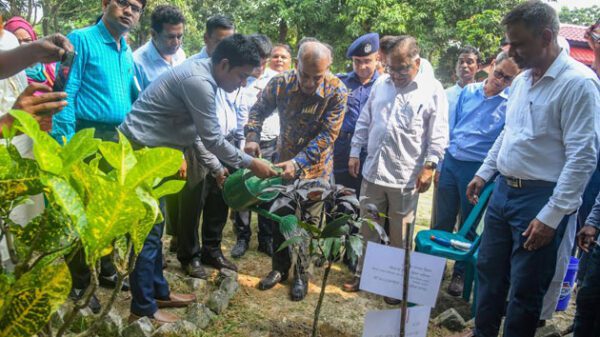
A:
(480, 114)
(100, 92)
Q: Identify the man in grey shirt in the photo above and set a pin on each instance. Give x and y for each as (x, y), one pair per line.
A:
(174, 111)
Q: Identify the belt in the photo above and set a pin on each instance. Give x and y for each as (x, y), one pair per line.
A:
(84, 124)
(521, 183)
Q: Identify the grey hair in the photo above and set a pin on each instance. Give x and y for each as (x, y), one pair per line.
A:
(318, 50)
(407, 43)
(501, 57)
(535, 15)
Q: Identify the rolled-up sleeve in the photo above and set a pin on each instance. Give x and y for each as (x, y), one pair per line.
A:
(579, 124)
(360, 139)
(199, 98)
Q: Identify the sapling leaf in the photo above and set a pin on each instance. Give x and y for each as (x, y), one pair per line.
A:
(291, 242)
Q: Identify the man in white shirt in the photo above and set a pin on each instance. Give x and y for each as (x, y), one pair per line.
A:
(545, 156)
(404, 127)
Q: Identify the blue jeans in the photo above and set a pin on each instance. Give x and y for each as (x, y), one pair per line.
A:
(587, 316)
(503, 262)
(451, 198)
(147, 281)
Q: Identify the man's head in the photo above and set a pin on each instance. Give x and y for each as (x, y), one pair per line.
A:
(403, 61)
(467, 64)
(501, 77)
(234, 60)
(264, 47)
(121, 16)
(385, 45)
(364, 52)
(167, 24)
(281, 58)
(312, 63)
(531, 31)
(218, 28)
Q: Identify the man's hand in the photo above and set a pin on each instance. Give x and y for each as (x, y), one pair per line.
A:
(586, 237)
(538, 235)
(253, 149)
(424, 180)
(289, 170)
(354, 167)
(221, 176)
(261, 169)
(43, 106)
(52, 48)
(436, 178)
(183, 170)
(474, 189)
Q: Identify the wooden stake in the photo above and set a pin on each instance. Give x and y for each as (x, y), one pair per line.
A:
(408, 249)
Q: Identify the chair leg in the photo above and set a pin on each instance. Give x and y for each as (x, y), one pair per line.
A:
(468, 282)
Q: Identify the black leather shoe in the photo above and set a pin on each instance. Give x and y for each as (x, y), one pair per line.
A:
(195, 269)
(111, 282)
(239, 249)
(94, 305)
(392, 301)
(173, 245)
(266, 248)
(271, 280)
(299, 289)
(218, 261)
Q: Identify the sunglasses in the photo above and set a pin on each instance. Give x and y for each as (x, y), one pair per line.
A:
(134, 8)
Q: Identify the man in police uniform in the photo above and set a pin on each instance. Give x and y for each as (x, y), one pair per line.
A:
(364, 53)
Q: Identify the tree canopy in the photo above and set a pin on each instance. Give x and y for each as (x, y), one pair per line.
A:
(437, 24)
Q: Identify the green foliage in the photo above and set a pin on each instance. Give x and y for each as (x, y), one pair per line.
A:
(85, 207)
(30, 301)
(482, 30)
(580, 16)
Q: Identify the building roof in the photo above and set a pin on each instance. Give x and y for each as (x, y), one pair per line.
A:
(572, 32)
(583, 55)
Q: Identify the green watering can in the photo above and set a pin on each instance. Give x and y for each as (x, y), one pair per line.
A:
(243, 190)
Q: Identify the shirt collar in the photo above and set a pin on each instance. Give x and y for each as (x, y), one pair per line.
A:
(374, 78)
(108, 38)
(155, 54)
(503, 94)
(555, 68)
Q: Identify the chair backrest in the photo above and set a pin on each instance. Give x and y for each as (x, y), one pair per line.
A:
(476, 214)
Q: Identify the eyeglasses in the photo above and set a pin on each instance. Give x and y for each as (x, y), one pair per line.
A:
(134, 8)
(400, 71)
(501, 76)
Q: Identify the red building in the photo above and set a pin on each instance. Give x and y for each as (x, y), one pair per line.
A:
(580, 50)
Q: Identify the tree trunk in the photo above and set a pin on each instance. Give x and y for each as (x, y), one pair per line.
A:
(315, 328)
(283, 31)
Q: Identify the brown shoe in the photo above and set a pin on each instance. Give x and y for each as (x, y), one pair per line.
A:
(160, 317)
(177, 301)
(352, 286)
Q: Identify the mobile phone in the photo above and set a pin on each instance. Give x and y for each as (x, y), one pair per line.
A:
(62, 74)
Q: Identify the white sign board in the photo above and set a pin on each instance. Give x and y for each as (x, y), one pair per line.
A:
(386, 323)
(383, 271)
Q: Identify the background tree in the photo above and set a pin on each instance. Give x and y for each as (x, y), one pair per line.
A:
(580, 16)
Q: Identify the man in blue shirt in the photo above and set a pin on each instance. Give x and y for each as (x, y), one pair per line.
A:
(101, 84)
(163, 51)
(218, 27)
(480, 115)
(364, 53)
(467, 66)
(100, 92)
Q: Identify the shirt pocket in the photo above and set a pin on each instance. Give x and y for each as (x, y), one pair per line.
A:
(536, 120)
(410, 117)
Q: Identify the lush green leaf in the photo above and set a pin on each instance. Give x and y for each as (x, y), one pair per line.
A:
(151, 216)
(120, 156)
(291, 242)
(82, 145)
(154, 163)
(337, 227)
(168, 187)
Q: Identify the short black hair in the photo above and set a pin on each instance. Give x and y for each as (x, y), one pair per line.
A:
(284, 46)
(165, 14)
(218, 22)
(239, 50)
(408, 43)
(263, 44)
(470, 50)
(535, 15)
(386, 43)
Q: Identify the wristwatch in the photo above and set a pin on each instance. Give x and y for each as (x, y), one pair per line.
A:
(430, 165)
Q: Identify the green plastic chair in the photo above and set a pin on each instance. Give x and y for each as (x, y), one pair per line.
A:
(424, 244)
